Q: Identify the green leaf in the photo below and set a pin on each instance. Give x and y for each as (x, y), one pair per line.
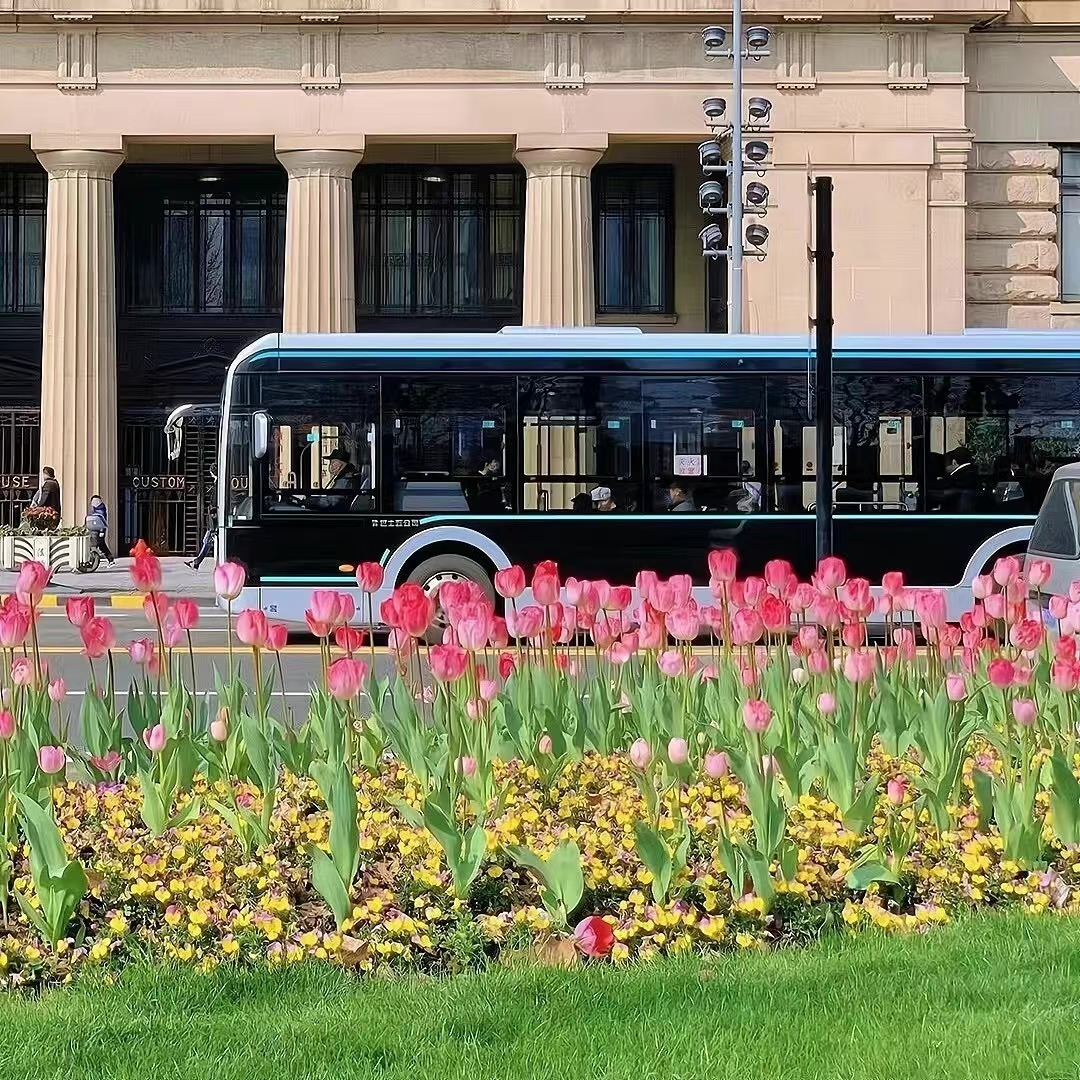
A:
(33, 916)
(474, 847)
(185, 816)
(860, 813)
(758, 867)
(46, 843)
(344, 833)
(862, 877)
(1065, 801)
(67, 891)
(153, 807)
(789, 859)
(258, 751)
(983, 785)
(654, 854)
(327, 881)
(410, 814)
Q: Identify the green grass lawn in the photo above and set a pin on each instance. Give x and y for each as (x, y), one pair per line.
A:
(994, 997)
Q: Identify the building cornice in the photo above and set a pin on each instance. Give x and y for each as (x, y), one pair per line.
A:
(902, 12)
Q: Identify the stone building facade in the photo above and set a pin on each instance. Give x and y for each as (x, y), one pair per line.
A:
(179, 176)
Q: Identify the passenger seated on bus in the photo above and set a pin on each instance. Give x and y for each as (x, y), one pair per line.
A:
(962, 487)
(582, 503)
(602, 500)
(680, 497)
(345, 482)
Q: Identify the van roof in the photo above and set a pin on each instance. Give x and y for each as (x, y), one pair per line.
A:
(1068, 472)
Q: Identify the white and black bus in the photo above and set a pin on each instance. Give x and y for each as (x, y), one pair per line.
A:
(452, 456)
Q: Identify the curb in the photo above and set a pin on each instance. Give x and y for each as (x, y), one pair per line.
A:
(124, 601)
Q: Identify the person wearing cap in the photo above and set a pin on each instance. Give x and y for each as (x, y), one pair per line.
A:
(602, 500)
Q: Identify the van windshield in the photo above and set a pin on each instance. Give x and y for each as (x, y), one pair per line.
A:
(1055, 531)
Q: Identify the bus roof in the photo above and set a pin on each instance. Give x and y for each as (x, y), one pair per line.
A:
(630, 339)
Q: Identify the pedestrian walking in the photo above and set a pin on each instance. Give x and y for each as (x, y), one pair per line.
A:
(207, 541)
(97, 525)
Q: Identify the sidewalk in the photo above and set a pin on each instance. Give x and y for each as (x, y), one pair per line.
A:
(115, 583)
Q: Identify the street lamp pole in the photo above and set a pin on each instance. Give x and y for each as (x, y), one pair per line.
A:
(735, 222)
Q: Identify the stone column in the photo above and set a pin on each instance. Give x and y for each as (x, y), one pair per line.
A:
(559, 286)
(320, 279)
(946, 208)
(78, 363)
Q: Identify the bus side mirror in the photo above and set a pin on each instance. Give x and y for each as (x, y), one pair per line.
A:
(260, 435)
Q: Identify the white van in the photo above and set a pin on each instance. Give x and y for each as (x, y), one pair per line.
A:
(1056, 535)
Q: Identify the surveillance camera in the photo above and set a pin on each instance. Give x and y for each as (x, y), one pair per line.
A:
(709, 153)
(757, 194)
(758, 109)
(756, 235)
(757, 37)
(756, 151)
(714, 107)
(713, 37)
(711, 195)
(712, 241)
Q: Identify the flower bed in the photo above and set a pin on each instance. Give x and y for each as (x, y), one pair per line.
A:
(577, 779)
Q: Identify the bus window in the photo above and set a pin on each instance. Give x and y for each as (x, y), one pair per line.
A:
(322, 446)
(449, 444)
(579, 441)
(703, 430)
(995, 441)
(882, 421)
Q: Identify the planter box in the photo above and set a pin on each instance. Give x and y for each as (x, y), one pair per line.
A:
(61, 553)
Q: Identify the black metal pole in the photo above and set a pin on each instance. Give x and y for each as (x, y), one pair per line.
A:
(823, 360)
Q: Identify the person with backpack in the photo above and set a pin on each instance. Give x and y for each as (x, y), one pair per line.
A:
(97, 525)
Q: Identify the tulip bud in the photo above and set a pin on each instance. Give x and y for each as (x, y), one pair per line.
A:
(678, 752)
(640, 754)
(717, 765)
(219, 727)
(798, 676)
(826, 704)
(545, 746)
(896, 789)
(7, 725)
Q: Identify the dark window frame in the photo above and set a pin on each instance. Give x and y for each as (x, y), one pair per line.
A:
(373, 202)
(1069, 179)
(143, 194)
(15, 205)
(606, 179)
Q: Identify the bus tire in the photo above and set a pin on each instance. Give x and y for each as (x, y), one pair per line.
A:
(432, 573)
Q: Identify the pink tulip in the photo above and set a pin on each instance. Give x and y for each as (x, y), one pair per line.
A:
(545, 583)
(1027, 634)
(277, 636)
(723, 565)
(415, 609)
(775, 615)
(780, 577)
(31, 582)
(347, 638)
(22, 671)
(717, 765)
(671, 663)
(757, 715)
(155, 738)
(892, 583)
(831, 572)
(186, 613)
(14, 625)
(141, 650)
(345, 677)
(1006, 570)
(896, 790)
(98, 637)
(107, 763)
(859, 667)
(619, 598)
(854, 635)
(326, 607)
(467, 767)
(1065, 675)
(317, 629)
(1002, 673)
(146, 573)
(57, 691)
(817, 662)
(474, 628)
(173, 632)
(983, 586)
(51, 760)
(489, 689)
(1059, 606)
(155, 607)
(448, 662)
(7, 725)
(955, 687)
(1024, 711)
(229, 580)
(683, 623)
(252, 628)
(803, 596)
(594, 937)
(994, 605)
(826, 704)
(1038, 572)
(619, 653)
(80, 610)
(545, 745)
(641, 754)
(219, 726)
(855, 595)
(678, 751)
(369, 576)
(747, 627)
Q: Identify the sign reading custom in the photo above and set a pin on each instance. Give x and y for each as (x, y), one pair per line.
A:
(158, 483)
(18, 482)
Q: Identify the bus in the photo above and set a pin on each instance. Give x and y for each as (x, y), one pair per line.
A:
(450, 456)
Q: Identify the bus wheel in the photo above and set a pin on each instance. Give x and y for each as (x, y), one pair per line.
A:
(437, 571)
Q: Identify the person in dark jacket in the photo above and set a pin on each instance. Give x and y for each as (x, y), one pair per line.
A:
(680, 498)
(97, 525)
(48, 494)
(961, 494)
